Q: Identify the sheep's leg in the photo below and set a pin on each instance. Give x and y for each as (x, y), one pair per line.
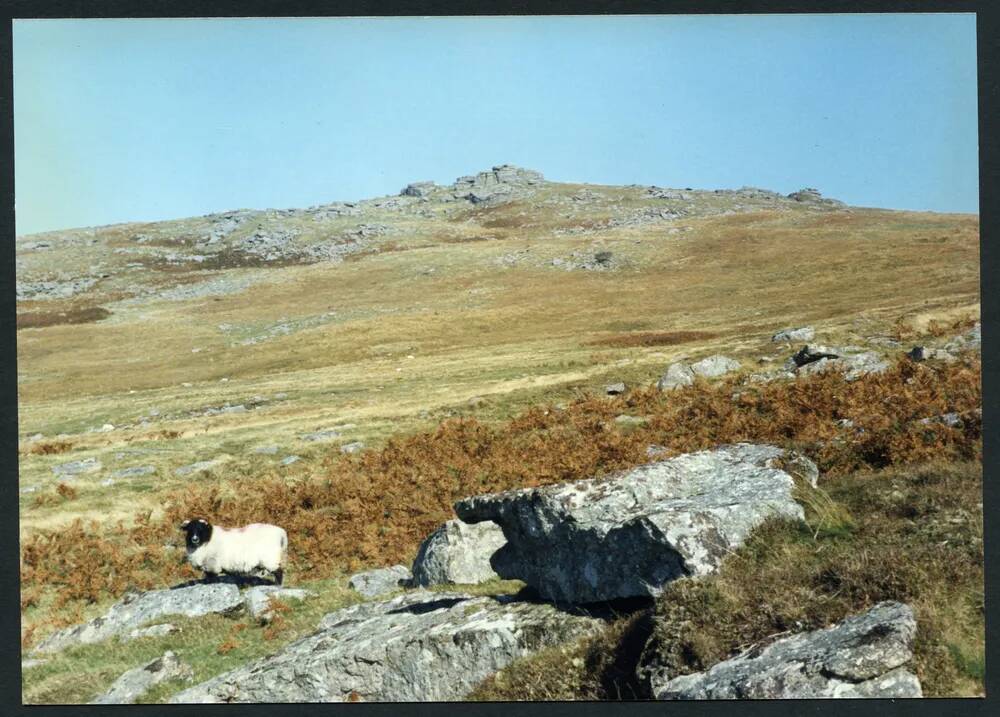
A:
(279, 575)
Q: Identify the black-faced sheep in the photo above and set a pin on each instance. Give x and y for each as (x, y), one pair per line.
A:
(236, 551)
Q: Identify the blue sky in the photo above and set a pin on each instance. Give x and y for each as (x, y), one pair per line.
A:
(136, 120)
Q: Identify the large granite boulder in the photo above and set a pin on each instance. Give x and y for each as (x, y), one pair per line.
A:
(135, 683)
(458, 553)
(136, 609)
(628, 534)
(862, 656)
(420, 646)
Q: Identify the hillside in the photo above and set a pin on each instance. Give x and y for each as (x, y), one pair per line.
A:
(351, 370)
(170, 344)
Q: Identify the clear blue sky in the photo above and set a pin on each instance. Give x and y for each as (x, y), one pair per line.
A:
(133, 120)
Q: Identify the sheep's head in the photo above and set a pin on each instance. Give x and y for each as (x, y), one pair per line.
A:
(198, 532)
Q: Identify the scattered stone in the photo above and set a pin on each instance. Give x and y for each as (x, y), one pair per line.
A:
(28, 664)
(714, 366)
(810, 354)
(258, 599)
(133, 472)
(194, 468)
(673, 518)
(324, 435)
(266, 450)
(458, 553)
(678, 374)
(973, 339)
(805, 333)
(373, 583)
(615, 389)
(417, 647)
(923, 353)
(29, 489)
(353, 447)
(625, 421)
(952, 420)
(862, 656)
(137, 609)
(288, 460)
(161, 630)
(107, 482)
(75, 468)
(135, 683)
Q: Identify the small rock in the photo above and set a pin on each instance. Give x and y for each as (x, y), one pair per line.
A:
(714, 366)
(161, 630)
(28, 664)
(266, 450)
(805, 333)
(678, 374)
(324, 435)
(458, 553)
(353, 447)
(288, 460)
(133, 472)
(258, 599)
(74, 468)
(373, 583)
(194, 468)
(615, 389)
(135, 683)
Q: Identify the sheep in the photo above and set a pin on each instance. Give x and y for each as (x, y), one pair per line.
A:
(241, 551)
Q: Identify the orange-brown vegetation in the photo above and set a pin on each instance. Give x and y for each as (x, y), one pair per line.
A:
(41, 319)
(376, 507)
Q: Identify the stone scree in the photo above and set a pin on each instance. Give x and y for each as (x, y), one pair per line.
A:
(862, 656)
(417, 647)
(628, 534)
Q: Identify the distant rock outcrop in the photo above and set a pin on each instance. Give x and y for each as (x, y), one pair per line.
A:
(862, 656)
(628, 534)
(503, 182)
(417, 647)
(809, 195)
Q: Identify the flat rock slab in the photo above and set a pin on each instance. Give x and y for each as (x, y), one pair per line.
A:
(136, 610)
(135, 683)
(862, 656)
(417, 647)
(458, 553)
(628, 534)
(374, 583)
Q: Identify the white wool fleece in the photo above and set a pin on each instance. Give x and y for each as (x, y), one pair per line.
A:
(241, 550)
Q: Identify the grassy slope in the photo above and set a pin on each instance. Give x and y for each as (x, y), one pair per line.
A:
(487, 340)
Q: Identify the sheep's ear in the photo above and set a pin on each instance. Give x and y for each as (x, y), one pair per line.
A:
(185, 524)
